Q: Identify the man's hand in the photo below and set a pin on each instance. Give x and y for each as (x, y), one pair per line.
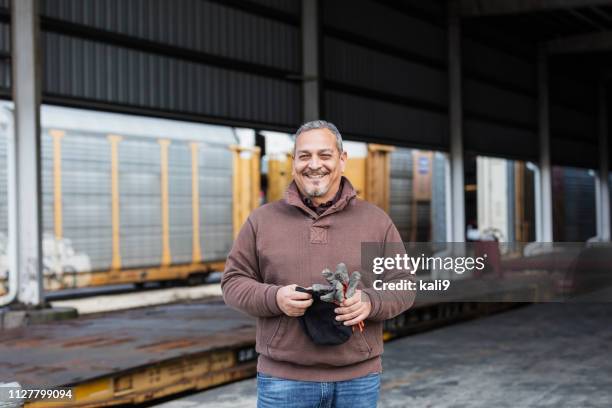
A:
(354, 309)
(292, 302)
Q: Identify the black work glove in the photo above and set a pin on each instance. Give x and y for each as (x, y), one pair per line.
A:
(319, 321)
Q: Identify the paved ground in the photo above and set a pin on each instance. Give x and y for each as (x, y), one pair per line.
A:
(549, 355)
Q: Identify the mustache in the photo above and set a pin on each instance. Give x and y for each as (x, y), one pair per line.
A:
(315, 173)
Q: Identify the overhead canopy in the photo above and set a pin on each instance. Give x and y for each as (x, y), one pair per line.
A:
(240, 63)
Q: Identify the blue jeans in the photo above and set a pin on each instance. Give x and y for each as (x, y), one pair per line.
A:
(274, 392)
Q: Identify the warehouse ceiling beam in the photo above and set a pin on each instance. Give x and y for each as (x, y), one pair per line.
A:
(583, 43)
(482, 8)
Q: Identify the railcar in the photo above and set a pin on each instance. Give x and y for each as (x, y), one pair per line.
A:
(127, 199)
(130, 199)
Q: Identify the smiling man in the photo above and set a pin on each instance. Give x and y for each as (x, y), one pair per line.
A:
(285, 244)
(319, 162)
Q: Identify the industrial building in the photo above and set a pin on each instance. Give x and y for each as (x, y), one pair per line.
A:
(137, 136)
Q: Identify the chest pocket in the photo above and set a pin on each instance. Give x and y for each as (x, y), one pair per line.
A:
(318, 234)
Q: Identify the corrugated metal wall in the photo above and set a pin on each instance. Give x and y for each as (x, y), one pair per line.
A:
(387, 79)
(195, 25)
(574, 121)
(499, 97)
(289, 6)
(384, 75)
(201, 59)
(5, 62)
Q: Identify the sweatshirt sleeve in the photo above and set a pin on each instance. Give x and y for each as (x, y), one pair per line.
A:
(387, 304)
(242, 284)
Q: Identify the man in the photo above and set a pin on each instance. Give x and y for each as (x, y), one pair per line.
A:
(287, 243)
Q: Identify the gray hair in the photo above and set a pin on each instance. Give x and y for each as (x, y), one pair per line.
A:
(319, 124)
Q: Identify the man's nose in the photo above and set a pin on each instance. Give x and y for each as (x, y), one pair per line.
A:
(314, 163)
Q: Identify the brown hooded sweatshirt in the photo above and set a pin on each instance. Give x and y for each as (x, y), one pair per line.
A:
(285, 242)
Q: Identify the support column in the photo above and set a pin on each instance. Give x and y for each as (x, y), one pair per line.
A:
(448, 196)
(537, 189)
(26, 95)
(545, 222)
(603, 198)
(311, 86)
(456, 127)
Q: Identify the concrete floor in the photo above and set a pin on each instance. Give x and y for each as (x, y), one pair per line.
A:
(548, 355)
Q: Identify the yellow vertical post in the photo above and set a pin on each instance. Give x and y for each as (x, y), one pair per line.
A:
(279, 176)
(387, 178)
(255, 178)
(245, 184)
(115, 220)
(355, 171)
(166, 257)
(378, 175)
(245, 188)
(273, 170)
(288, 173)
(195, 203)
(58, 222)
(236, 193)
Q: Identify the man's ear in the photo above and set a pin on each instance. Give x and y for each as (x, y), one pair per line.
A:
(343, 159)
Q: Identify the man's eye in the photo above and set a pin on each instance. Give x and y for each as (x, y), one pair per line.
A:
(326, 157)
(303, 157)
